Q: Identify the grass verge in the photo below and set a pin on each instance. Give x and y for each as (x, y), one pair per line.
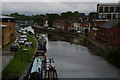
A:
(19, 62)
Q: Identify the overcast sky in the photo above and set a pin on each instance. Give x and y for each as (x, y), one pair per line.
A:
(33, 7)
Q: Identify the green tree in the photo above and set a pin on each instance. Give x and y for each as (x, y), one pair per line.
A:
(93, 14)
(113, 56)
(38, 19)
(51, 18)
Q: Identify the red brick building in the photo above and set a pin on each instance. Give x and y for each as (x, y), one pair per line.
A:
(94, 33)
(73, 23)
(110, 33)
(5, 31)
(61, 24)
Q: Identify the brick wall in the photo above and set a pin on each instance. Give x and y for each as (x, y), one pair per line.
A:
(114, 36)
(5, 36)
(12, 27)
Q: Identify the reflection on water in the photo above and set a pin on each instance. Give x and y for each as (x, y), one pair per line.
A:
(75, 61)
(74, 40)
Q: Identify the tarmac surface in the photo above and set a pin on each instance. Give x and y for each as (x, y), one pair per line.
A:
(7, 55)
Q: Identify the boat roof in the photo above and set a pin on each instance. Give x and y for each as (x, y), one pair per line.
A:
(37, 65)
(40, 51)
(3, 26)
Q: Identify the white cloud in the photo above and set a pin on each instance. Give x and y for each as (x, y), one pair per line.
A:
(60, 0)
(30, 8)
(47, 7)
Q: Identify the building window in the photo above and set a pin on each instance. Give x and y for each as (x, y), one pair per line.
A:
(108, 16)
(103, 16)
(118, 16)
(111, 9)
(100, 9)
(117, 9)
(106, 10)
(114, 16)
(100, 16)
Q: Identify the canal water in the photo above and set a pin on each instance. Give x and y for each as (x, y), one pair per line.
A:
(76, 61)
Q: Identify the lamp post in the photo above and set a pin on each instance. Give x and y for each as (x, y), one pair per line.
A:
(25, 51)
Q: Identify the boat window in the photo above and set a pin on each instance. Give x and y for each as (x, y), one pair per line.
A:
(55, 74)
(46, 75)
(40, 54)
(51, 74)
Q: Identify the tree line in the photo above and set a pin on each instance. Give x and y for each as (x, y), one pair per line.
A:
(39, 18)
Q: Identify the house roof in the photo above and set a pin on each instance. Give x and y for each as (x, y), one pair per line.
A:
(7, 17)
(110, 24)
(3, 26)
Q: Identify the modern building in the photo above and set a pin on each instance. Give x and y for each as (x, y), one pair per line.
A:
(8, 29)
(107, 11)
(5, 31)
(9, 21)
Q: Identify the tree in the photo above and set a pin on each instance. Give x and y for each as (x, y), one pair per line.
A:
(93, 14)
(77, 14)
(67, 14)
(114, 56)
(51, 18)
(38, 19)
(21, 17)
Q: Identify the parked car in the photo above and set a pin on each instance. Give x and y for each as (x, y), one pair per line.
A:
(23, 30)
(24, 39)
(19, 31)
(25, 33)
(14, 47)
(21, 41)
(79, 32)
(23, 36)
(28, 43)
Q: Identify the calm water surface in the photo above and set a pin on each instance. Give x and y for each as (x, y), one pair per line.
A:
(75, 61)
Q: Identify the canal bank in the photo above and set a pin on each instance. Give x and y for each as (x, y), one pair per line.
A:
(96, 47)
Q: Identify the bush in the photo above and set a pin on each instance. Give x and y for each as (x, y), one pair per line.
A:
(87, 42)
(113, 56)
(8, 75)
